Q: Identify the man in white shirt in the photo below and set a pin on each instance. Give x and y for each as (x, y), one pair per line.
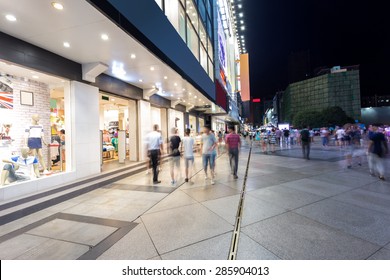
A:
(209, 152)
(188, 144)
(19, 168)
(155, 146)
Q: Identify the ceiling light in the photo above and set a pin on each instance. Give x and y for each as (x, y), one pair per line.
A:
(104, 37)
(171, 95)
(152, 68)
(241, 21)
(190, 93)
(66, 45)
(57, 5)
(35, 77)
(112, 99)
(165, 77)
(140, 80)
(175, 84)
(10, 17)
(195, 96)
(239, 6)
(132, 56)
(242, 27)
(184, 89)
(241, 14)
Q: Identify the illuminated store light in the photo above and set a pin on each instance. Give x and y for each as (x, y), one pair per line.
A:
(10, 17)
(57, 5)
(104, 37)
(66, 45)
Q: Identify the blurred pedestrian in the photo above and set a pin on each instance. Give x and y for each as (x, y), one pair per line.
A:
(174, 145)
(377, 149)
(305, 142)
(155, 148)
(209, 144)
(188, 144)
(233, 143)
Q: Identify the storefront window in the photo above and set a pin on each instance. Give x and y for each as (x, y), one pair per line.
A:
(32, 125)
(193, 40)
(202, 11)
(210, 49)
(182, 24)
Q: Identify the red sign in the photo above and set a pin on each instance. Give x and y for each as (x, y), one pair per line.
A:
(256, 100)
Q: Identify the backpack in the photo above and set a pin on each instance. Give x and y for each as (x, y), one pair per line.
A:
(305, 135)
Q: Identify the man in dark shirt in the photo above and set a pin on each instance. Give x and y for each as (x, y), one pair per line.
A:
(175, 153)
(377, 149)
(305, 142)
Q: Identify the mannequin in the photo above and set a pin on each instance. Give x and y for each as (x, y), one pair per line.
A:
(35, 138)
(19, 168)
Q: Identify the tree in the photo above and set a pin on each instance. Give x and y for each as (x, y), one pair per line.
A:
(308, 117)
(332, 116)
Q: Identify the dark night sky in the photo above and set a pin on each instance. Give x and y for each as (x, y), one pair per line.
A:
(337, 32)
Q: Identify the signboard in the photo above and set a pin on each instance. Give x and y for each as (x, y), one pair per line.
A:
(222, 47)
(6, 96)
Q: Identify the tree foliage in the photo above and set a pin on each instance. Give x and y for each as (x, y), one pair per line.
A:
(330, 116)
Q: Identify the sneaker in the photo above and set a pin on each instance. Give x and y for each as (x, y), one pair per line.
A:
(186, 180)
(212, 182)
(382, 178)
(46, 172)
(349, 166)
(156, 182)
(173, 182)
(206, 177)
(147, 172)
(235, 177)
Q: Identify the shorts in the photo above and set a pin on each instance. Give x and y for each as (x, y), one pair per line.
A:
(174, 161)
(187, 161)
(34, 143)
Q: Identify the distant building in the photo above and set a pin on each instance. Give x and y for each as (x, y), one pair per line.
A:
(338, 86)
(375, 101)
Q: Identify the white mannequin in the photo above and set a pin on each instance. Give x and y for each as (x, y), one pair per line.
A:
(36, 139)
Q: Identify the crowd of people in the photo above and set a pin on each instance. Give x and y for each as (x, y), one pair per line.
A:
(208, 143)
(355, 141)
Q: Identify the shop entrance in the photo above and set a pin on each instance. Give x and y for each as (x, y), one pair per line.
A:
(114, 126)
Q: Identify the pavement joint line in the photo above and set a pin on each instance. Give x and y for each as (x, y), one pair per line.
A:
(240, 209)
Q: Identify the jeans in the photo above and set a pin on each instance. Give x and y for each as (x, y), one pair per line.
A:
(375, 164)
(154, 155)
(12, 176)
(324, 141)
(206, 159)
(306, 149)
(233, 158)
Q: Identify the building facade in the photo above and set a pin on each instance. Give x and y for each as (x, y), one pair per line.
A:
(340, 87)
(99, 74)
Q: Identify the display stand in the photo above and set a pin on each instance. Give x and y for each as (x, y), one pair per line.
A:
(122, 146)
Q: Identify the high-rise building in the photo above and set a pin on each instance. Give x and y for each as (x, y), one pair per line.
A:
(337, 87)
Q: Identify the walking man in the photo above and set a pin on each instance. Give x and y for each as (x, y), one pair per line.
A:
(305, 142)
(377, 150)
(174, 144)
(233, 143)
(188, 144)
(155, 147)
(209, 153)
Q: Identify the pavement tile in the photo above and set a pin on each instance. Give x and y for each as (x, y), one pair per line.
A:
(316, 187)
(216, 248)
(367, 199)
(383, 254)
(285, 197)
(136, 245)
(175, 228)
(367, 224)
(16, 246)
(89, 234)
(176, 199)
(293, 237)
(249, 249)
(210, 192)
(55, 250)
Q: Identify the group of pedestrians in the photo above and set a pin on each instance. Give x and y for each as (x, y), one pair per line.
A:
(179, 147)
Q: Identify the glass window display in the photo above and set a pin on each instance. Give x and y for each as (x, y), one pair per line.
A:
(38, 127)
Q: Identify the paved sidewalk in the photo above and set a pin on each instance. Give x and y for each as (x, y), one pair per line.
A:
(293, 209)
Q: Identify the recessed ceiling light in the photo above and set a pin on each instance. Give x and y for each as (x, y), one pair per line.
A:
(57, 5)
(140, 80)
(133, 56)
(175, 84)
(195, 96)
(66, 45)
(189, 93)
(165, 77)
(10, 17)
(104, 37)
(35, 77)
(112, 99)
(171, 95)
(152, 68)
